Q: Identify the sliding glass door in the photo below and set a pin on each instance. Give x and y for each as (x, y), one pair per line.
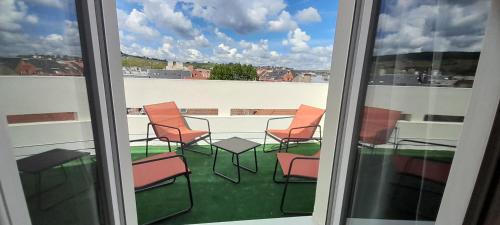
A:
(411, 112)
(59, 143)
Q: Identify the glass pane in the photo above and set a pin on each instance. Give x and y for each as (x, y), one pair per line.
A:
(44, 97)
(419, 84)
(237, 64)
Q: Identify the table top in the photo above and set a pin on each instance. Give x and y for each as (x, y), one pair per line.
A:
(47, 160)
(236, 145)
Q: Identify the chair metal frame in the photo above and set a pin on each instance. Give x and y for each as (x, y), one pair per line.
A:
(286, 141)
(287, 181)
(161, 183)
(184, 146)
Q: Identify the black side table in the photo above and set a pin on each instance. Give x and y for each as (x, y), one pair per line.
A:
(236, 146)
(39, 163)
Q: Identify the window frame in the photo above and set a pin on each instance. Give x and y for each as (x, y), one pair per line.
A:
(476, 129)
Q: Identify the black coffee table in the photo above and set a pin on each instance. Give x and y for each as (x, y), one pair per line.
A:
(236, 146)
(39, 163)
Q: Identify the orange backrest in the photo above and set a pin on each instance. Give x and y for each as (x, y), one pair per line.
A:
(379, 117)
(307, 116)
(381, 121)
(165, 113)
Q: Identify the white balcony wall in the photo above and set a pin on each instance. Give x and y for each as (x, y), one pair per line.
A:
(35, 94)
(46, 94)
(223, 95)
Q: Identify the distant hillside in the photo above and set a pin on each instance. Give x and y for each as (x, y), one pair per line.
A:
(198, 65)
(449, 63)
(143, 62)
(153, 63)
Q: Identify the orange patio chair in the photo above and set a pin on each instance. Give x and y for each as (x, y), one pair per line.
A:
(302, 129)
(156, 171)
(296, 166)
(378, 124)
(170, 125)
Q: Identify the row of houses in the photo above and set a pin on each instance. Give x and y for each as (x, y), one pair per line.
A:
(41, 66)
(172, 71)
(282, 74)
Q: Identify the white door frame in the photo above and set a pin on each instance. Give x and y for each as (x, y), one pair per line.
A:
(13, 207)
(477, 125)
(351, 25)
(109, 125)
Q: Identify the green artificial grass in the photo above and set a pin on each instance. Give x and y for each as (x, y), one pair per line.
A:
(217, 199)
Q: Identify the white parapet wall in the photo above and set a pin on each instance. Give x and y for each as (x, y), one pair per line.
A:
(37, 94)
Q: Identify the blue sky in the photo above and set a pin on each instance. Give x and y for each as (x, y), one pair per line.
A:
(38, 27)
(293, 33)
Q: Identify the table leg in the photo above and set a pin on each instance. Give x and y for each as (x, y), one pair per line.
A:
(215, 158)
(246, 168)
(39, 191)
(222, 175)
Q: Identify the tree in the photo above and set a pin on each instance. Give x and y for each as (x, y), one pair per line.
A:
(233, 71)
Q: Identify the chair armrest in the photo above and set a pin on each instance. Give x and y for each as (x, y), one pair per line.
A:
(277, 118)
(142, 139)
(199, 118)
(296, 128)
(299, 158)
(426, 143)
(164, 158)
(170, 127)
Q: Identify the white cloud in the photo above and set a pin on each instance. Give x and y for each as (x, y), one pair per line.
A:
(200, 41)
(50, 3)
(53, 38)
(414, 26)
(283, 23)
(222, 36)
(164, 15)
(242, 16)
(67, 43)
(308, 15)
(194, 55)
(13, 14)
(225, 54)
(136, 22)
(164, 51)
(297, 40)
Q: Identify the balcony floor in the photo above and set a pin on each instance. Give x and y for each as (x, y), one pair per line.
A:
(256, 197)
(217, 199)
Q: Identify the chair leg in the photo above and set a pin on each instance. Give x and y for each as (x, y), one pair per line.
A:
(182, 148)
(198, 152)
(275, 171)
(190, 192)
(264, 145)
(283, 197)
(147, 141)
(211, 147)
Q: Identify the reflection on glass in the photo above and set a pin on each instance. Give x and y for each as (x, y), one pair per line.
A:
(48, 115)
(424, 60)
(39, 38)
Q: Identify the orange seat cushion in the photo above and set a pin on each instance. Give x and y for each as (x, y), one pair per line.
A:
(301, 167)
(152, 172)
(168, 114)
(305, 116)
(188, 135)
(426, 169)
